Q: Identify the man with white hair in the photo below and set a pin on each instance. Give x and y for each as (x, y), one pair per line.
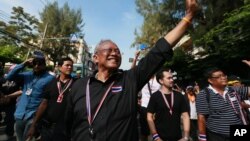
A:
(104, 106)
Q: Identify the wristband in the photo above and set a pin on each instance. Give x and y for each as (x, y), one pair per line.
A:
(155, 136)
(202, 137)
(186, 20)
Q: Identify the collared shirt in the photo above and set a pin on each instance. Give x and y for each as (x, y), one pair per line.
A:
(28, 104)
(193, 113)
(116, 120)
(221, 112)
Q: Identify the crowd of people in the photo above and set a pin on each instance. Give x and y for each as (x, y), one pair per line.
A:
(105, 105)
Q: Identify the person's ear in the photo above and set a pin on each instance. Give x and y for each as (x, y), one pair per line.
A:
(95, 58)
(209, 81)
(161, 81)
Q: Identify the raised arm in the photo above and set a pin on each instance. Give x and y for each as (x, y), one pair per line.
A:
(137, 53)
(162, 51)
(14, 73)
(246, 62)
(175, 34)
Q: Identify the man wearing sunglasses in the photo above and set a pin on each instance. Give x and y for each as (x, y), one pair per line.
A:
(33, 84)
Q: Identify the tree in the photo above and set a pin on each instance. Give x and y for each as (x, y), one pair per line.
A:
(163, 15)
(159, 17)
(212, 14)
(61, 24)
(9, 54)
(23, 24)
(17, 34)
(229, 41)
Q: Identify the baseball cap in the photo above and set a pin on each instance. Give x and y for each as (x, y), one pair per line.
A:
(38, 55)
(233, 79)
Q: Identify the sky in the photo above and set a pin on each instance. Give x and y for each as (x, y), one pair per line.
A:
(104, 19)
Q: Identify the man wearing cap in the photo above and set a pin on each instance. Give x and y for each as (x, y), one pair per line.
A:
(33, 84)
(51, 110)
(234, 80)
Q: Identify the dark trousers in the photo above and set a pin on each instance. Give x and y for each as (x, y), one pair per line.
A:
(211, 136)
(143, 122)
(53, 132)
(9, 118)
(193, 129)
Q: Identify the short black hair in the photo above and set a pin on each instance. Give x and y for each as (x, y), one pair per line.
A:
(159, 74)
(209, 72)
(61, 61)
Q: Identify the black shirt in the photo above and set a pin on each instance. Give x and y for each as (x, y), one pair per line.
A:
(8, 87)
(167, 125)
(116, 120)
(55, 111)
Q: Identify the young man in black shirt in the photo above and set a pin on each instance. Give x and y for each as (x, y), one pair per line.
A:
(166, 108)
(51, 110)
(104, 106)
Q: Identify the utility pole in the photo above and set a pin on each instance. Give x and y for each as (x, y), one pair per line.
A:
(44, 33)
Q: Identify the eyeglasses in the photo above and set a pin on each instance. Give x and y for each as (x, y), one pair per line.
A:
(219, 76)
(109, 50)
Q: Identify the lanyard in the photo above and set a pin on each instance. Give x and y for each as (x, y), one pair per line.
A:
(61, 91)
(172, 102)
(232, 104)
(241, 112)
(88, 106)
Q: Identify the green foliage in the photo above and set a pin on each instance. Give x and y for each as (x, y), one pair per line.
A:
(61, 24)
(23, 24)
(16, 35)
(222, 32)
(231, 36)
(159, 17)
(10, 54)
(162, 15)
(227, 43)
